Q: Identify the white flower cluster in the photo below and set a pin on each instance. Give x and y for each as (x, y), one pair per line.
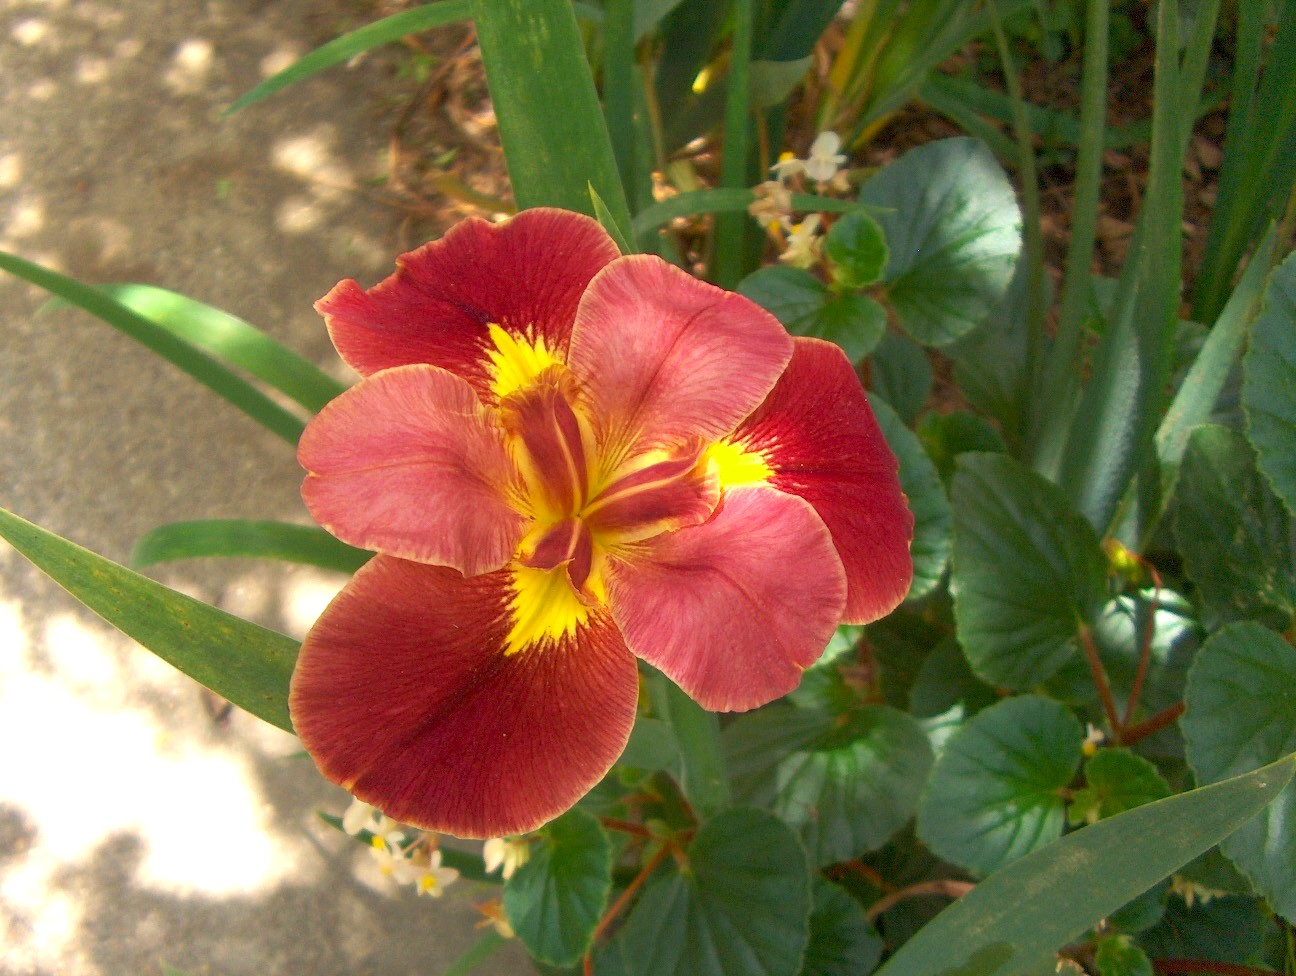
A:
(405, 858)
(773, 205)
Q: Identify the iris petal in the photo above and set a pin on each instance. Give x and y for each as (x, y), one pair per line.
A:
(403, 693)
(410, 463)
(733, 610)
(525, 275)
(818, 436)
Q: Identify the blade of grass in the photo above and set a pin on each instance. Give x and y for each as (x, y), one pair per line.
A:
(619, 78)
(1059, 380)
(231, 339)
(1111, 436)
(175, 350)
(246, 538)
(731, 227)
(240, 661)
(556, 142)
(344, 48)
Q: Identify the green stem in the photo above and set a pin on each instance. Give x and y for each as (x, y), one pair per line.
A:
(697, 731)
(730, 228)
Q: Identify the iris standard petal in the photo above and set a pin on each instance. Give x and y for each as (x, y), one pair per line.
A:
(733, 610)
(664, 358)
(525, 275)
(409, 462)
(821, 442)
(403, 694)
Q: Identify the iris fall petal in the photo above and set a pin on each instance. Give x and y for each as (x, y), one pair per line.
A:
(818, 435)
(403, 694)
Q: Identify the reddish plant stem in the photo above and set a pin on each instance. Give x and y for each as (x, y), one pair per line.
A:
(1154, 724)
(1100, 680)
(1206, 966)
(1145, 648)
(625, 826)
(622, 900)
(944, 886)
(864, 871)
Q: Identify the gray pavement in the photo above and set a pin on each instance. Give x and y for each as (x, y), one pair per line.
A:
(138, 828)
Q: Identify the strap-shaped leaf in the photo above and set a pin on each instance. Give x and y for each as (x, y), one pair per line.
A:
(1269, 381)
(192, 360)
(344, 48)
(240, 661)
(247, 538)
(1019, 916)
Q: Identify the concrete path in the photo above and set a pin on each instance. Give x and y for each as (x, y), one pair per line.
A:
(138, 829)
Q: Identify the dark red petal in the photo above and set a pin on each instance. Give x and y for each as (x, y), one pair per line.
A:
(733, 610)
(665, 359)
(817, 431)
(526, 275)
(403, 695)
(408, 462)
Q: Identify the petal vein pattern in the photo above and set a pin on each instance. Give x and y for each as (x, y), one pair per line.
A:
(559, 467)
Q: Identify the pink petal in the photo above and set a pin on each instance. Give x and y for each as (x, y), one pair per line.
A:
(733, 610)
(665, 358)
(526, 275)
(817, 432)
(408, 462)
(403, 694)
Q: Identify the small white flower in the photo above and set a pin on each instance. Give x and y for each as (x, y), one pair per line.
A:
(824, 159)
(803, 244)
(787, 166)
(1094, 738)
(772, 207)
(427, 875)
(510, 853)
(359, 816)
(386, 849)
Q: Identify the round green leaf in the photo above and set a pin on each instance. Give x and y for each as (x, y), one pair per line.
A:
(995, 792)
(1232, 531)
(845, 785)
(792, 295)
(1028, 571)
(1269, 383)
(842, 941)
(1241, 715)
(1116, 780)
(922, 486)
(947, 435)
(741, 907)
(1117, 955)
(854, 322)
(1229, 930)
(951, 220)
(555, 900)
(857, 249)
(945, 693)
(901, 374)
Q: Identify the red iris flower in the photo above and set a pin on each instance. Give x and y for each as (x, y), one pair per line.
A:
(566, 458)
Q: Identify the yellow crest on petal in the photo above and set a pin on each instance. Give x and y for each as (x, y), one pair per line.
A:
(736, 466)
(516, 362)
(544, 607)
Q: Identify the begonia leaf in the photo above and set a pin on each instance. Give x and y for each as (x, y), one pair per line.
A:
(1117, 955)
(945, 436)
(1116, 780)
(842, 941)
(242, 662)
(922, 486)
(857, 250)
(1232, 531)
(846, 785)
(945, 693)
(995, 793)
(951, 220)
(994, 930)
(1028, 571)
(555, 900)
(1226, 930)
(1241, 715)
(1141, 913)
(652, 745)
(742, 905)
(901, 374)
(247, 538)
(1269, 383)
(807, 308)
